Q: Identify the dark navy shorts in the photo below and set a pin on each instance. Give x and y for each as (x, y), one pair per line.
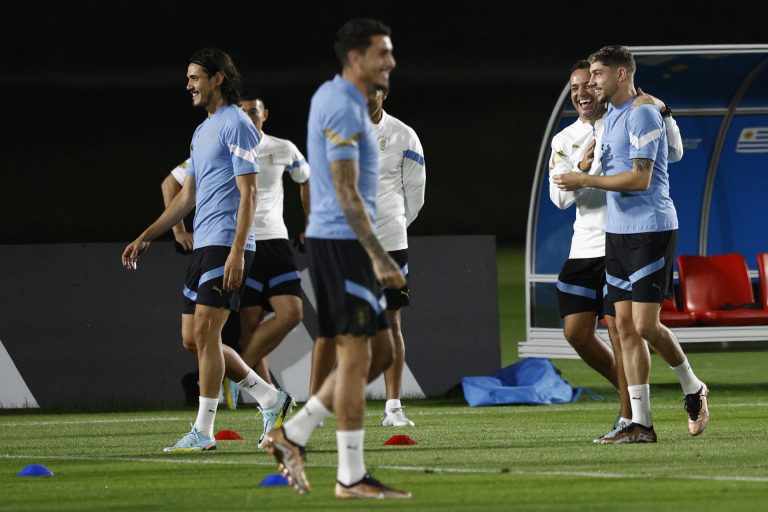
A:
(204, 283)
(639, 265)
(349, 299)
(398, 298)
(273, 272)
(580, 287)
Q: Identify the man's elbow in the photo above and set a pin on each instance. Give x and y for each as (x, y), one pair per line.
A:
(642, 185)
(251, 193)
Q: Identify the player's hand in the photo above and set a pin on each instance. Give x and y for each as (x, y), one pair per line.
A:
(185, 240)
(233, 270)
(647, 99)
(568, 181)
(388, 272)
(299, 242)
(133, 251)
(589, 156)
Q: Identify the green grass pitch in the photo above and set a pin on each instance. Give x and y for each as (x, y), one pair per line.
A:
(501, 458)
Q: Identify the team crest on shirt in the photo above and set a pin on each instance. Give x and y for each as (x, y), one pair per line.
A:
(383, 143)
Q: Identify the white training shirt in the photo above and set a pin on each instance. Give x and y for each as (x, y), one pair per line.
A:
(275, 157)
(402, 181)
(568, 148)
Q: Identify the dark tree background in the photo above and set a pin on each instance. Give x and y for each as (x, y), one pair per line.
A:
(96, 112)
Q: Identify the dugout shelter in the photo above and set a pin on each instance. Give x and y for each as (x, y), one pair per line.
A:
(719, 97)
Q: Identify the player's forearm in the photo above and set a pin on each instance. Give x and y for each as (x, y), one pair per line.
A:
(245, 213)
(304, 195)
(561, 198)
(414, 201)
(178, 208)
(630, 181)
(354, 211)
(170, 189)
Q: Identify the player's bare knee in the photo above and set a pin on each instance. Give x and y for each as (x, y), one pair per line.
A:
(647, 328)
(291, 317)
(579, 336)
(188, 342)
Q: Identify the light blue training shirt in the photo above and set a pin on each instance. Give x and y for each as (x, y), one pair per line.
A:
(637, 133)
(339, 129)
(225, 145)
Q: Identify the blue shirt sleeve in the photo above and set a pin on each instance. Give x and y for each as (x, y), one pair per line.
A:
(343, 127)
(645, 132)
(190, 169)
(243, 142)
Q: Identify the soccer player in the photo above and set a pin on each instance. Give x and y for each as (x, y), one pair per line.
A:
(581, 280)
(402, 181)
(273, 281)
(641, 235)
(346, 261)
(221, 182)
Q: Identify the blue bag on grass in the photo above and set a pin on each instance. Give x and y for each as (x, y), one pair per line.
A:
(530, 381)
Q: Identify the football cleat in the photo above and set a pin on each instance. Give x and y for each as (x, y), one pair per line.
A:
(620, 424)
(289, 457)
(273, 416)
(632, 433)
(369, 488)
(698, 410)
(194, 441)
(396, 418)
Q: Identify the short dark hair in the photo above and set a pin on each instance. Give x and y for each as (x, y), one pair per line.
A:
(214, 60)
(580, 64)
(614, 57)
(249, 94)
(356, 35)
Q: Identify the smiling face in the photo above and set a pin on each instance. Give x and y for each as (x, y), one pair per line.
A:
(374, 65)
(204, 88)
(604, 81)
(582, 95)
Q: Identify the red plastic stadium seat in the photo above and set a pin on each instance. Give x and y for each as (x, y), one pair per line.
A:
(717, 289)
(762, 266)
(671, 317)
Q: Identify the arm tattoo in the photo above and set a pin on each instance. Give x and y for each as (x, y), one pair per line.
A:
(345, 174)
(643, 164)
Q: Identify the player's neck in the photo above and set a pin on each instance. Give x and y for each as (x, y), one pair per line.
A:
(623, 95)
(349, 74)
(215, 104)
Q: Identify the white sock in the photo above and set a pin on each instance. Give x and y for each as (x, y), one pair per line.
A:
(392, 405)
(640, 400)
(624, 420)
(206, 414)
(261, 390)
(350, 446)
(688, 380)
(303, 423)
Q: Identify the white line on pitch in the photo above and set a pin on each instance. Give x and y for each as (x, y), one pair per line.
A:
(415, 469)
(372, 414)
(87, 422)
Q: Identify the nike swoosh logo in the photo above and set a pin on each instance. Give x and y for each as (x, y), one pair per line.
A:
(350, 447)
(637, 398)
